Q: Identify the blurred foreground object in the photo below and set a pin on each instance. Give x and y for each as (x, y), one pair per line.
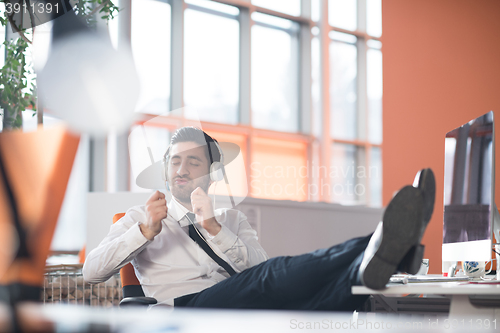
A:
(35, 168)
(85, 81)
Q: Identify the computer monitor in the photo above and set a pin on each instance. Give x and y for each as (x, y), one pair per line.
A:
(469, 186)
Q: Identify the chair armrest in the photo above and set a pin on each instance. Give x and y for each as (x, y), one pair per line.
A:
(138, 301)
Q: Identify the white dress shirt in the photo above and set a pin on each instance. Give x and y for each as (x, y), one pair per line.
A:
(172, 264)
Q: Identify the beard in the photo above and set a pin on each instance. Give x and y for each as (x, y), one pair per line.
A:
(183, 192)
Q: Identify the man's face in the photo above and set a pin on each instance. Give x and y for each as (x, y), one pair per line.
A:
(188, 168)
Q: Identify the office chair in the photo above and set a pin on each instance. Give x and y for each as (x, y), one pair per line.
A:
(131, 288)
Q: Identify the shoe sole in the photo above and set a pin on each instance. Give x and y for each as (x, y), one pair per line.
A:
(402, 223)
(426, 182)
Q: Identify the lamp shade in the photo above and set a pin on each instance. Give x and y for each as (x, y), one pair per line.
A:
(86, 82)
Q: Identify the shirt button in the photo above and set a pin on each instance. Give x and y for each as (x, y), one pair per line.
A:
(219, 243)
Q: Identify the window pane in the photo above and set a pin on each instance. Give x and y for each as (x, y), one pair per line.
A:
(278, 170)
(347, 174)
(151, 50)
(211, 67)
(343, 73)
(113, 30)
(291, 7)
(374, 17)
(315, 10)
(374, 87)
(274, 79)
(342, 14)
(140, 139)
(375, 175)
(30, 121)
(41, 45)
(316, 86)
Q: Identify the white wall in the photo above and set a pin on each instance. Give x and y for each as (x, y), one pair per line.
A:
(101, 207)
(290, 228)
(284, 227)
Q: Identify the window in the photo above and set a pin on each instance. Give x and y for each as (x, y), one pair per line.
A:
(355, 99)
(343, 86)
(150, 26)
(343, 14)
(279, 169)
(274, 73)
(146, 145)
(297, 85)
(211, 63)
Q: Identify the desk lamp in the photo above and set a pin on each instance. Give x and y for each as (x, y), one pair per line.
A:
(85, 81)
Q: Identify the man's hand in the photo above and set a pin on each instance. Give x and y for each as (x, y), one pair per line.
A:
(156, 210)
(202, 207)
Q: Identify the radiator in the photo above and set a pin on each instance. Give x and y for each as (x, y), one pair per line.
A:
(65, 284)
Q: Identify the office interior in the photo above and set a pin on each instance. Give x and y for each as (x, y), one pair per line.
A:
(373, 84)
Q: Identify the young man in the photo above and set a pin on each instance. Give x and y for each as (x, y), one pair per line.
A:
(163, 246)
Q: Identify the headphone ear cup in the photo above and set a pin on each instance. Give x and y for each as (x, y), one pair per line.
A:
(216, 172)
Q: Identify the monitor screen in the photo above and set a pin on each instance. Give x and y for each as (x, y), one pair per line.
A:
(469, 180)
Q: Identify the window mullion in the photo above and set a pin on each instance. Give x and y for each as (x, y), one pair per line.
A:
(325, 139)
(361, 15)
(245, 117)
(361, 92)
(177, 53)
(305, 80)
(305, 9)
(245, 77)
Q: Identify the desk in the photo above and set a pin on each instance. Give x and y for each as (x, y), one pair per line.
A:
(460, 305)
(77, 319)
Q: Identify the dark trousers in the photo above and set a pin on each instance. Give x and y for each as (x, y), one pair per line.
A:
(320, 280)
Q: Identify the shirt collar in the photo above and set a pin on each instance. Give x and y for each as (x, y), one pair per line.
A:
(178, 211)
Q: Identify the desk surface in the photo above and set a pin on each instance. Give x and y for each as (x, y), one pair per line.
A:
(438, 288)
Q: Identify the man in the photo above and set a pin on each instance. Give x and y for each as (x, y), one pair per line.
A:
(159, 240)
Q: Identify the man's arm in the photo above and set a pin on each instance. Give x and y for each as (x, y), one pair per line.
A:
(123, 242)
(126, 239)
(233, 234)
(238, 240)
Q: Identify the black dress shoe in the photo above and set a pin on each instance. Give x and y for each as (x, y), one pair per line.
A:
(399, 231)
(425, 182)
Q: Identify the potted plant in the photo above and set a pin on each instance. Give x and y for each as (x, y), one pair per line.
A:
(17, 90)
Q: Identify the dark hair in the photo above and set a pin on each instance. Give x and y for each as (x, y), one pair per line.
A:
(194, 134)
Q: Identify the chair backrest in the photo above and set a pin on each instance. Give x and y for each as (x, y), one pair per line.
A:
(130, 285)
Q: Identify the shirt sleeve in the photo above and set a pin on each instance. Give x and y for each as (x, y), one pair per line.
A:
(239, 242)
(122, 244)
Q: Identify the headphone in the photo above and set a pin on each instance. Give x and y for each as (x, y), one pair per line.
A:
(216, 168)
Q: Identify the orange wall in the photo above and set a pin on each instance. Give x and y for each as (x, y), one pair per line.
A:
(441, 69)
